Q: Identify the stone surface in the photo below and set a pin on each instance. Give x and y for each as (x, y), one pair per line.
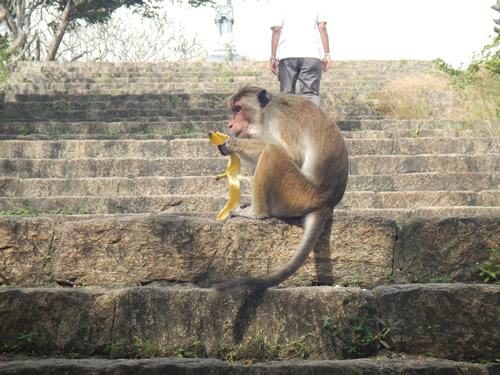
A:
(454, 321)
(183, 366)
(118, 251)
(84, 321)
(139, 250)
(435, 247)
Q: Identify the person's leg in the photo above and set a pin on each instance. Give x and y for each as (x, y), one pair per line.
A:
(288, 75)
(309, 79)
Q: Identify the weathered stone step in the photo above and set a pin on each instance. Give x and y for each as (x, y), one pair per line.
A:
(451, 321)
(55, 70)
(146, 101)
(139, 250)
(208, 207)
(207, 185)
(113, 115)
(121, 202)
(155, 128)
(346, 87)
(117, 114)
(150, 128)
(228, 70)
(188, 366)
(69, 149)
(179, 167)
(165, 87)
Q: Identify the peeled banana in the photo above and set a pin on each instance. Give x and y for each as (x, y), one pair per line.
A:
(232, 174)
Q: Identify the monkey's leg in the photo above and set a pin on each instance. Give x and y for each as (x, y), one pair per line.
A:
(279, 188)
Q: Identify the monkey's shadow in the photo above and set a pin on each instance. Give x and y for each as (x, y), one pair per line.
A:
(322, 258)
(324, 276)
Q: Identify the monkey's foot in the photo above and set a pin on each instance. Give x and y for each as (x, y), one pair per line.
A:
(247, 212)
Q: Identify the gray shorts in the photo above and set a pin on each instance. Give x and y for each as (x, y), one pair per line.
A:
(307, 71)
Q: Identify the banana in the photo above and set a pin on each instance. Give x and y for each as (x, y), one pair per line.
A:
(232, 174)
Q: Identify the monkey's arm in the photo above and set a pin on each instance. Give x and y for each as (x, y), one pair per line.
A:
(248, 149)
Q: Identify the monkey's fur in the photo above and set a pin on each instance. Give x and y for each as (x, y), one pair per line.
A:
(302, 167)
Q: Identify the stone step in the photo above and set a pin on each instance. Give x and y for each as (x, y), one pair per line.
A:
(148, 101)
(55, 70)
(151, 128)
(100, 132)
(181, 87)
(141, 114)
(452, 321)
(154, 128)
(191, 86)
(201, 166)
(210, 207)
(207, 185)
(121, 202)
(130, 250)
(208, 68)
(188, 366)
(185, 148)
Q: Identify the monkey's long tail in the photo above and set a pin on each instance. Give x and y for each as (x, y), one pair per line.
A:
(314, 225)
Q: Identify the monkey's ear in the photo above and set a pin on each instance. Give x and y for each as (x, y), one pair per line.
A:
(263, 98)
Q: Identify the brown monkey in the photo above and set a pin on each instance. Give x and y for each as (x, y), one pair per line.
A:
(302, 168)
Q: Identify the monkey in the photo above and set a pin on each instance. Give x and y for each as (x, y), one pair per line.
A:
(301, 168)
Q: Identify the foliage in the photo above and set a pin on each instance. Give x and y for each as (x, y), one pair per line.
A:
(487, 59)
(490, 269)
(20, 346)
(352, 280)
(441, 279)
(23, 23)
(470, 96)
(130, 37)
(20, 211)
(359, 333)
(5, 57)
(257, 349)
(143, 349)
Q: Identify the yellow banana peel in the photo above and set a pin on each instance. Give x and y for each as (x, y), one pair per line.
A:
(232, 174)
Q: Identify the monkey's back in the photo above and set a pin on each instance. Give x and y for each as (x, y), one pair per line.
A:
(313, 141)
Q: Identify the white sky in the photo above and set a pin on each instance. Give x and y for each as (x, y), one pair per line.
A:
(366, 29)
(363, 29)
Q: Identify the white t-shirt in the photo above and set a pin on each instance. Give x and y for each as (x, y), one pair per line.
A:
(299, 21)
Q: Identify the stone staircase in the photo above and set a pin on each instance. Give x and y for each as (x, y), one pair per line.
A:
(108, 238)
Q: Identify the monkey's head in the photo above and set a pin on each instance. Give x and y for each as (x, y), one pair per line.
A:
(247, 105)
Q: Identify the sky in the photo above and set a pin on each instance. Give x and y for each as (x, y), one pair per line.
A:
(366, 29)
(362, 29)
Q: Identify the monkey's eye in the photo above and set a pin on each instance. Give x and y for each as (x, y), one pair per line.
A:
(237, 108)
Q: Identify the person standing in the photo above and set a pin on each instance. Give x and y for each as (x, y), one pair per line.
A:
(300, 46)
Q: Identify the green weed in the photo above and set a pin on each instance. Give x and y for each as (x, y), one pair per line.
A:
(359, 333)
(490, 269)
(440, 279)
(20, 346)
(20, 211)
(352, 280)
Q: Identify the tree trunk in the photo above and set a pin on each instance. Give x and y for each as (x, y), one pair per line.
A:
(65, 18)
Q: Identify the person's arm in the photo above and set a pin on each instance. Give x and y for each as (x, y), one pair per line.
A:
(275, 38)
(326, 45)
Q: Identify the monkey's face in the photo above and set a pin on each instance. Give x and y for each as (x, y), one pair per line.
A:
(239, 125)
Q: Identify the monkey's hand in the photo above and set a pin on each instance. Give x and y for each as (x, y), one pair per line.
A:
(228, 147)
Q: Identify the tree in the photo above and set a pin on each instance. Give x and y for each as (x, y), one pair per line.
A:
(128, 37)
(497, 21)
(22, 17)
